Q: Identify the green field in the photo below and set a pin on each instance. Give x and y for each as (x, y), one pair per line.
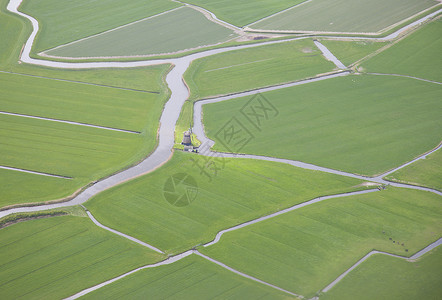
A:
(241, 13)
(20, 187)
(385, 277)
(416, 55)
(193, 278)
(248, 69)
(427, 172)
(57, 257)
(63, 21)
(178, 30)
(255, 188)
(350, 52)
(305, 250)
(360, 124)
(344, 15)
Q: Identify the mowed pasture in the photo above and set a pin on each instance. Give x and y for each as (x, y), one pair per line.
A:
(193, 278)
(229, 192)
(392, 278)
(426, 172)
(256, 67)
(57, 257)
(344, 15)
(19, 187)
(305, 250)
(66, 21)
(361, 124)
(241, 13)
(416, 55)
(178, 30)
(350, 52)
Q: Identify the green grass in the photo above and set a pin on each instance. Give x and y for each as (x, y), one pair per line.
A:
(63, 21)
(344, 15)
(193, 278)
(361, 124)
(19, 187)
(305, 250)
(385, 277)
(241, 13)
(350, 52)
(57, 257)
(416, 55)
(162, 34)
(247, 69)
(427, 172)
(241, 191)
(110, 107)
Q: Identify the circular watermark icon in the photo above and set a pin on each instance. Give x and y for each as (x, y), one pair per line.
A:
(180, 189)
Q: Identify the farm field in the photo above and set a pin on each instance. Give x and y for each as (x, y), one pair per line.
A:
(255, 188)
(252, 68)
(56, 257)
(305, 250)
(194, 278)
(344, 15)
(241, 13)
(392, 278)
(66, 21)
(350, 52)
(427, 172)
(157, 35)
(416, 55)
(20, 187)
(386, 126)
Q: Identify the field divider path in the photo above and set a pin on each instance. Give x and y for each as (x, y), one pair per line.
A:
(244, 275)
(81, 82)
(329, 56)
(68, 122)
(406, 76)
(120, 233)
(281, 212)
(34, 172)
(411, 258)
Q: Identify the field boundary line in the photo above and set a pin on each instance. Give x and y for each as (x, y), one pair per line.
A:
(244, 275)
(34, 172)
(232, 66)
(81, 82)
(210, 16)
(110, 30)
(68, 122)
(167, 261)
(406, 76)
(281, 212)
(120, 233)
(275, 14)
(410, 259)
(329, 55)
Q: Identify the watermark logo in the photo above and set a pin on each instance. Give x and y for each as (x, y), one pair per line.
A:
(234, 135)
(180, 189)
(258, 110)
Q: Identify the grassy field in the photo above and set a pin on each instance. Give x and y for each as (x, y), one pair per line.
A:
(361, 124)
(305, 250)
(56, 257)
(384, 277)
(416, 55)
(427, 172)
(344, 15)
(19, 187)
(247, 69)
(193, 278)
(66, 21)
(255, 188)
(162, 34)
(350, 52)
(241, 13)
